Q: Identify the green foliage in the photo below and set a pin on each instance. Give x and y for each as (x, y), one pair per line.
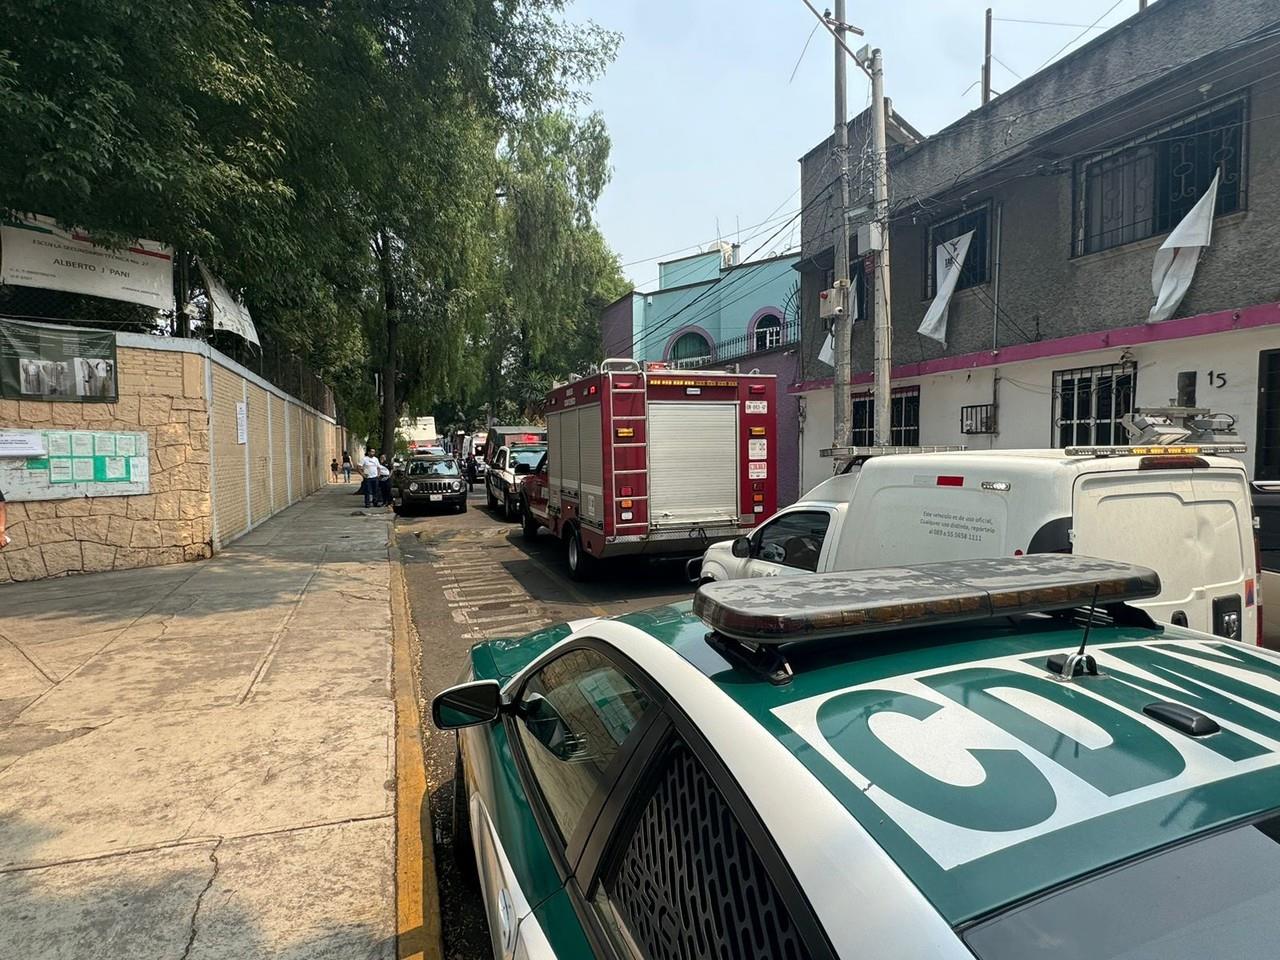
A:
(397, 189)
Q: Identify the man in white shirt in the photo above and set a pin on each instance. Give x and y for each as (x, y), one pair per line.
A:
(369, 470)
(383, 495)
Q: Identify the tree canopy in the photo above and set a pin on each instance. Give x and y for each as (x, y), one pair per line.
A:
(402, 192)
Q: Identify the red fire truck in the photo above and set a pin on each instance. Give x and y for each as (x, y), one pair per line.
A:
(646, 459)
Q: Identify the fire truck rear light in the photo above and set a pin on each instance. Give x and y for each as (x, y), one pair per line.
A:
(757, 431)
(756, 388)
(758, 508)
(591, 390)
(950, 481)
(757, 498)
(626, 431)
(624, 384)
(627, 504)
(627, 491)
(626, 514)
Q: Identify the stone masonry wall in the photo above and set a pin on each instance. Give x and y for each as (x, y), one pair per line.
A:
(162, 394)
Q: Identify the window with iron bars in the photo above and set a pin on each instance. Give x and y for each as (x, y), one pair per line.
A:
(1143, 188)
(1088, 403)
(904, 429)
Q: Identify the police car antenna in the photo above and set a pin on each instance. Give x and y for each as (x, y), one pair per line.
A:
(1068, 666)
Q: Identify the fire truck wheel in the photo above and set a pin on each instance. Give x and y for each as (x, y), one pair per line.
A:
(581, 563)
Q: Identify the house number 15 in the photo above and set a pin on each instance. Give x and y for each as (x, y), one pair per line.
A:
(1217, 380)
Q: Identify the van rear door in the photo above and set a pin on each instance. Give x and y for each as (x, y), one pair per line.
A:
(1187, 525)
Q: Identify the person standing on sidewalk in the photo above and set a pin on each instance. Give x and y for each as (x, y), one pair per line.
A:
(346, 466)
(384, 483)
(369, 470)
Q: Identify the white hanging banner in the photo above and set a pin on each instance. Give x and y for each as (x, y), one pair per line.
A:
(828, 352)
(949, 263)
(36, 252)
(227, 312)
(1176, 260)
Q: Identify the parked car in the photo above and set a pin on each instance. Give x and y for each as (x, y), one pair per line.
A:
(886, 764)
(507, 473)
(1185, 514)
(434, 481)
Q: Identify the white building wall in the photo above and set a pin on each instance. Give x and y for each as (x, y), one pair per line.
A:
(1025, 415)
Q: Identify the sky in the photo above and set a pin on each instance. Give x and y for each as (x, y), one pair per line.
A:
(708, 124)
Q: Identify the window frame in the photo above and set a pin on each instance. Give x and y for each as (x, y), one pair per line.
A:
(1080, 236)
(863, 404)
(771, 326)
(635, 767)
(564, 851)
(757, 538)
(1094, 371)
(982, 210)
(707, 343)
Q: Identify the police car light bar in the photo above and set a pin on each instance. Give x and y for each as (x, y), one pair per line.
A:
(1149, 451)
(799, 609)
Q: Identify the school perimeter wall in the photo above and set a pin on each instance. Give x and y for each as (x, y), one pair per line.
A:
(207, 488)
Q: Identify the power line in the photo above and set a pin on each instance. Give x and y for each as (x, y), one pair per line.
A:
(1091, 26)
(1049, 23)
(695, 246)
(800, 59)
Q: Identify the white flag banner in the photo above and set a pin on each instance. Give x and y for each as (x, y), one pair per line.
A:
(1176, 260)
(227, 312)
(828, 352)
(950, 261)
(36, 252)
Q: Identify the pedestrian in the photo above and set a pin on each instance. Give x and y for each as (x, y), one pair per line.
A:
(346, 466)
(369, 471)
(333, 469)
(4, 537)
(384, 483)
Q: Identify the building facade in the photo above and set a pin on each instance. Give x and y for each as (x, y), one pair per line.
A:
(1069, 183)
(709, 310)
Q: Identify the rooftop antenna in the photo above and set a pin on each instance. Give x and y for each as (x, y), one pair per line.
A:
(1067, 666)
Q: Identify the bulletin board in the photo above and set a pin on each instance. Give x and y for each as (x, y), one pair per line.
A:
(79, 463)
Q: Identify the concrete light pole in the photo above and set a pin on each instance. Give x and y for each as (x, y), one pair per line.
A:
(843, 332)
(880, 238)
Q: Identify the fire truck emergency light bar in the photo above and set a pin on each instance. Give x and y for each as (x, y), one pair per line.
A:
(800, 609)
(1148, 451)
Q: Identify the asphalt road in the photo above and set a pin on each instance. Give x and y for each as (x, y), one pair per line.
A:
(471, 576)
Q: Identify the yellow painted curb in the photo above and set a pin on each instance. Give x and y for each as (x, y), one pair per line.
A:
(418, 933)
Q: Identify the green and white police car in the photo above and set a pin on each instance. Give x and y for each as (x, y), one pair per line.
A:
(995, 758)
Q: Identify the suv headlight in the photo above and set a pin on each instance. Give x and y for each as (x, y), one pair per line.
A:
(457, 485)
(413, 488)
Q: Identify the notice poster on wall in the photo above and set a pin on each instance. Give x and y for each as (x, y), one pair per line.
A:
(75, 463)
(45, 362)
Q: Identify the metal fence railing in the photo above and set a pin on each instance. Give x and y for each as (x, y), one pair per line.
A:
(769, 337)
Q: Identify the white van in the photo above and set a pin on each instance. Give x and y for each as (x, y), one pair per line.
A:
(1178, 510)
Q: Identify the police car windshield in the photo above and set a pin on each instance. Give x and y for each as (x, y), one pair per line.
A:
(531, 457)
(433, 468)
(1215, 897)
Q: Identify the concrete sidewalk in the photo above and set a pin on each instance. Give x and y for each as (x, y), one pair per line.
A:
(197, 761)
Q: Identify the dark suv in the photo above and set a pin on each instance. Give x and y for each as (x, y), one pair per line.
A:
(429, 482)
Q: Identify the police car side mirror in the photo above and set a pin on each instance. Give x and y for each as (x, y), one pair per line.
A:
(741, 548)
(467, 705)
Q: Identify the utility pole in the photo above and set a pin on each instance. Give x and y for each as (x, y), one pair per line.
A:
(843, 387)
(986, 65)
(880, 208)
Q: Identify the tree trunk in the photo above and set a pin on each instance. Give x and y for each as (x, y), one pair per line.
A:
(391, 308)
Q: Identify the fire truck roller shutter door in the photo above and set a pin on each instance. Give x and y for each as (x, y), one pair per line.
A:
(693, 462)
(569, 452)
(554, 457)
(591, 464)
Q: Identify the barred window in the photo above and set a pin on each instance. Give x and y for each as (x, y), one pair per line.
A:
(904, 428)
(768, 333)
(977, 262)
(1143, 188)
(1088, 403)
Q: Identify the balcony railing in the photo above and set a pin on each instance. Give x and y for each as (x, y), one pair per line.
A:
(735, 348)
